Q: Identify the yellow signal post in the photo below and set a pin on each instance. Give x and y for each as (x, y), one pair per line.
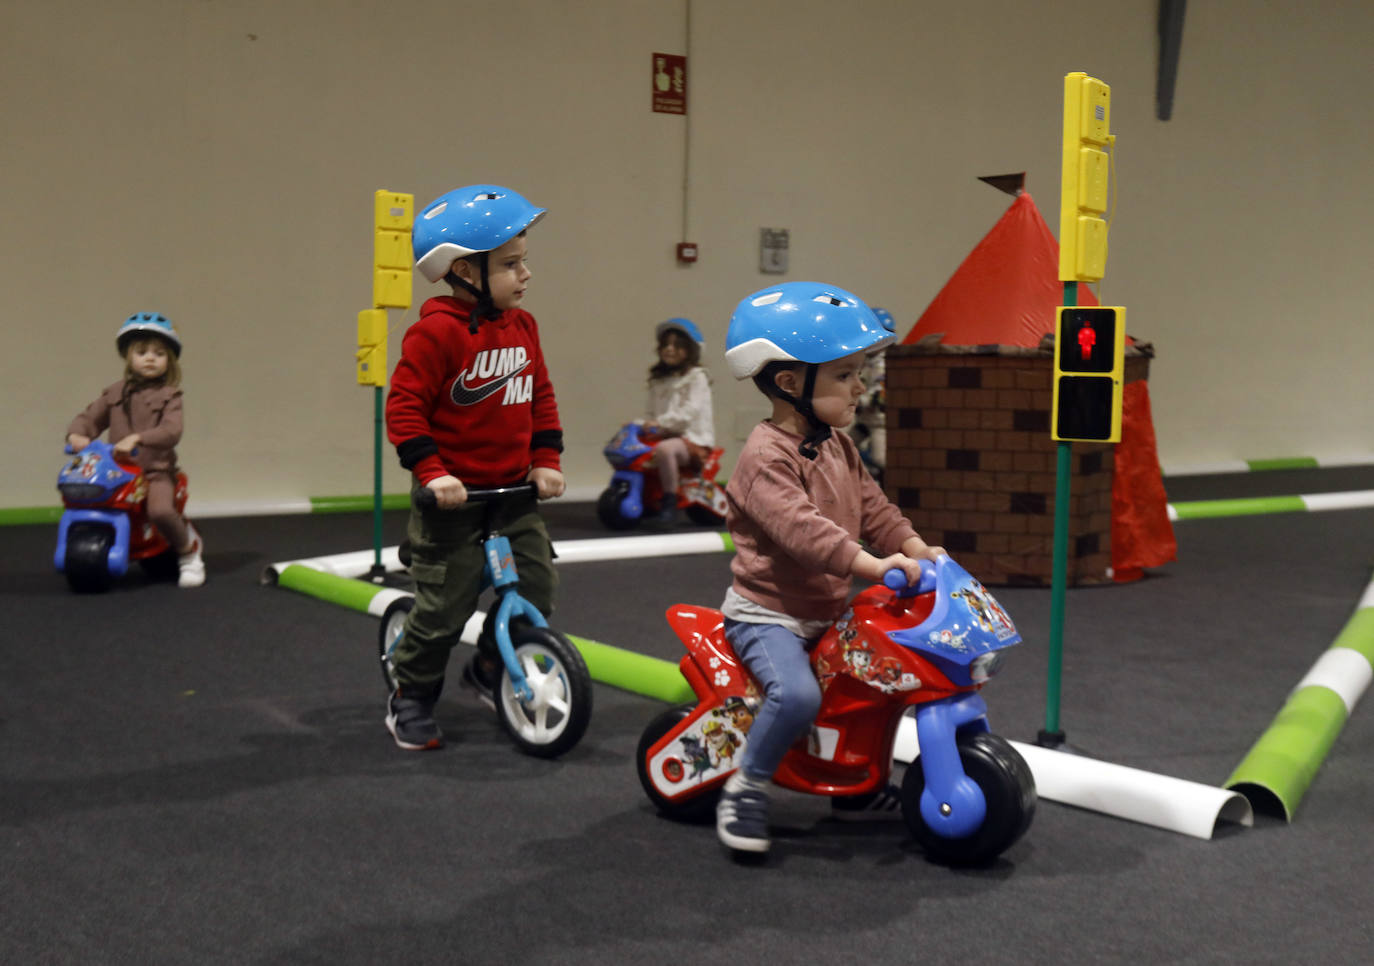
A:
(1089, 372)
(393, 216)
(1087, 390)
(1085, 178)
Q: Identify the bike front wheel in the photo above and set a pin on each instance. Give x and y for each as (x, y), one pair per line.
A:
(1008, 789)
(557, 715)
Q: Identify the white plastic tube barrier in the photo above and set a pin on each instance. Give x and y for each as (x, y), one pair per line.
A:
(1139, 796)
(358, 563)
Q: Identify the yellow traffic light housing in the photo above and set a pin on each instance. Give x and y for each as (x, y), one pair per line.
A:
(1084, 184)
(393, 214)
(1089, 372)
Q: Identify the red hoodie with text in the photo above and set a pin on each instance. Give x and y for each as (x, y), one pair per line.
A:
(475, 405)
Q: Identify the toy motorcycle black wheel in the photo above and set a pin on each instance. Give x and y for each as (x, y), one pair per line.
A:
(558, 715)
(87, 560)
(393, 620)
(608, 507)
(696, 810)
(1008, 788)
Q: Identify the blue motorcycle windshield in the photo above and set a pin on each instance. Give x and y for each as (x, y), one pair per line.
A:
(965, 623)
(93, 467)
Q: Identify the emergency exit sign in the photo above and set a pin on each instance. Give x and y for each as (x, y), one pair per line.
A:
(669, 83)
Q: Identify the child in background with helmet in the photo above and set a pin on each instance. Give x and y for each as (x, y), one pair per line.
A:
(471, 404)
(143, 414)
(679, 410)
(800, 501)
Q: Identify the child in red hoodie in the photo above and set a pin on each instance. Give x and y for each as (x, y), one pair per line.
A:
(471, 404)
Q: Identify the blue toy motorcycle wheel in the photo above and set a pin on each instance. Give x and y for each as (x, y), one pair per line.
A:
(1008, 788)
(608, 507)
(87, 561)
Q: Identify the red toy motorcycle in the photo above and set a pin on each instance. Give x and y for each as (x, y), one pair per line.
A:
(969, 795)
(105, 524)
(635, 484)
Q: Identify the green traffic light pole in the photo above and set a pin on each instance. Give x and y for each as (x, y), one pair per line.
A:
(378, 572)
(1052, 736)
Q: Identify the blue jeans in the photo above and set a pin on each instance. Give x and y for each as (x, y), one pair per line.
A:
(791, 697)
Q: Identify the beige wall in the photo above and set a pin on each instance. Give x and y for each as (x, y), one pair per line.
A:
(216, 161)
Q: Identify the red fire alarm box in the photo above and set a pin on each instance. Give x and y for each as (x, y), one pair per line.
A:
(686, 252)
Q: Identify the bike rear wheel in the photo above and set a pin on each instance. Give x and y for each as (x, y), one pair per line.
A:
(393, 621)
(555, 719)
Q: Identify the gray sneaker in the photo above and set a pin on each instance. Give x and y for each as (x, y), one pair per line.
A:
(410, 718)
(742, 820)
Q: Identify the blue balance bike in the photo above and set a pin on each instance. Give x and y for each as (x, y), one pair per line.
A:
(544, 696)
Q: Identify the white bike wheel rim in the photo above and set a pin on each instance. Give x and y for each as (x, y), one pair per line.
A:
(546, 716)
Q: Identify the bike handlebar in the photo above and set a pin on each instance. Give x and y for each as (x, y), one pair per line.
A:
(425, 499)
(895, 579)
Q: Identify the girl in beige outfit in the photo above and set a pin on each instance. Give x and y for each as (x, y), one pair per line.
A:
(143, 414)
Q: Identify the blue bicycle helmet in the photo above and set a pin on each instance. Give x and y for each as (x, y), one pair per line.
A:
(885, 317)
(800, 322)
(685, 326)
(807, 322)
(467, 221)
(147, 323)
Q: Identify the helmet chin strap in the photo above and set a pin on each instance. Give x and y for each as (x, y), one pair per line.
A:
(484, 309)
(820, 431)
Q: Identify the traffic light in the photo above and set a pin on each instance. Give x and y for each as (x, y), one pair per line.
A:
(1089, 371)
(393, 216)
(1085, 177)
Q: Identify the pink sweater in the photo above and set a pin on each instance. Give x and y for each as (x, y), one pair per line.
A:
(796, 523)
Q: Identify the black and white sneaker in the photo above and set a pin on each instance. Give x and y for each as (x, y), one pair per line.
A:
(482, 679)
(742, 819)
(410, 719)
(884, 805)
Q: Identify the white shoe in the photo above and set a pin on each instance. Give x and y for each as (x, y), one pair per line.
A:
(190, 565)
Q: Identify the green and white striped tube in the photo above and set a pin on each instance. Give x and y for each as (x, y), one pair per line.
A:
(1251, 506)
(1260, 466)
(1284, 761)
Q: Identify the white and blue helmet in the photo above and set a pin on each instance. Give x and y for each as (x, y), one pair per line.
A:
(686, 326)
(466, 221)
(808, 322)
(147, 323)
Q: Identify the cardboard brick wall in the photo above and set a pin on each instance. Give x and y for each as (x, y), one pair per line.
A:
(970, 461)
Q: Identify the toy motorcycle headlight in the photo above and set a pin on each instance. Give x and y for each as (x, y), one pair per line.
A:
(985, 666)
(82, 492)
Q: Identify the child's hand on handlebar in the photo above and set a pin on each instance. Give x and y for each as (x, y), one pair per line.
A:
(547, 482)
(78, 442)
(124, 449)
(873, 568)
(918, 548)
(449, 491)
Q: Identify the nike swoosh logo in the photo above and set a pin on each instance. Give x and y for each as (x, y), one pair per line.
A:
(465, 395)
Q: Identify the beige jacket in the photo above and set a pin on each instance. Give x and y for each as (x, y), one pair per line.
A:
(154, 413)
